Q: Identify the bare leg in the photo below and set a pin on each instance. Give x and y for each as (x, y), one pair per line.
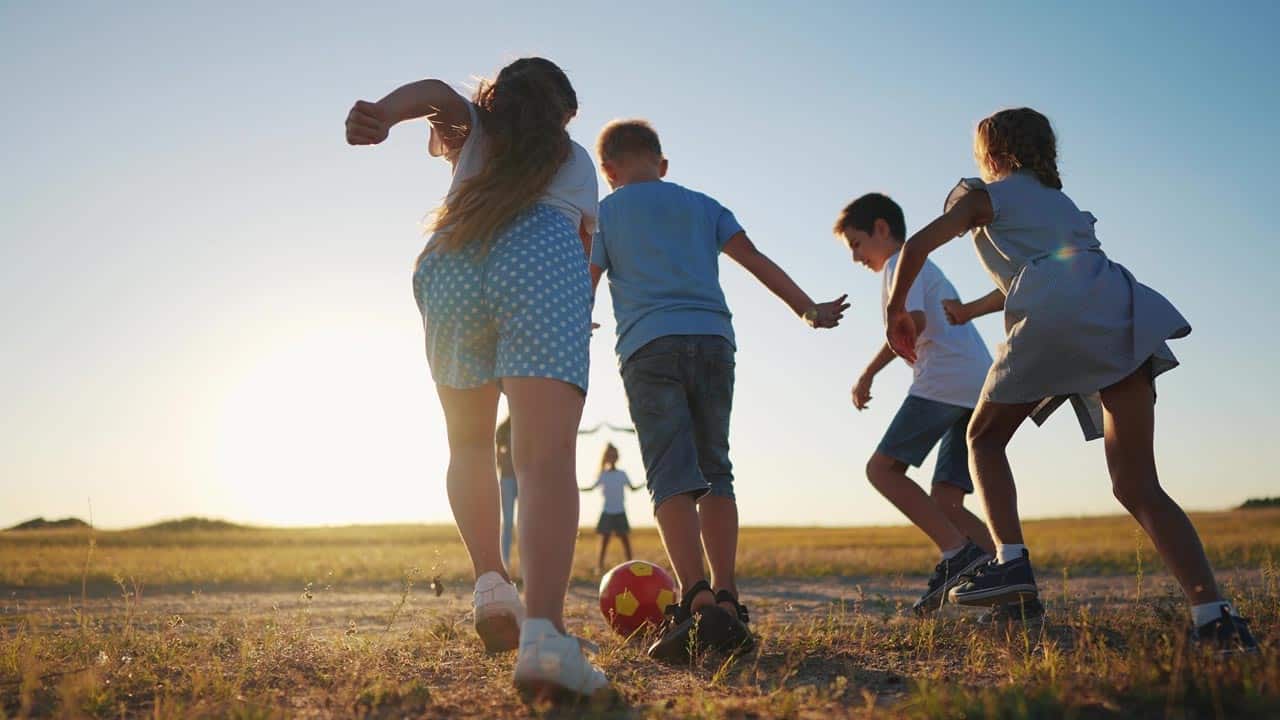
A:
(470, 416)
(678, 524)
(544, 433)
(719, 520)
(889, 476)
(604, 548)
(950, 499)
(1129, 429)
(626, 544)
(990, 431)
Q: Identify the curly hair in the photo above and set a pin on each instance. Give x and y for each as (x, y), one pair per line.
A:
(523, 112)
(1017, 139)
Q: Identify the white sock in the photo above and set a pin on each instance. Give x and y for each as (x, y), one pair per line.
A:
(948, 554)
(1210, 611)
(1005, 553)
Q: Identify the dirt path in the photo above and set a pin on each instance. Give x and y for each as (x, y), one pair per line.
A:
(775, 600)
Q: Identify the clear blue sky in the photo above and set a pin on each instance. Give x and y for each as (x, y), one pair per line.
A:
(205, 292)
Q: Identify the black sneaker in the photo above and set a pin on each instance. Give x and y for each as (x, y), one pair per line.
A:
(997, 584)
(685, 632)
(1028, 612)
(949, 573)
(1227, 635)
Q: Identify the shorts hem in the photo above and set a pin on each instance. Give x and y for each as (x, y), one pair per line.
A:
(900, 455)
(579, 383)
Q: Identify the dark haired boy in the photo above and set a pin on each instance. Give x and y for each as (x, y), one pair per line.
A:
(950, 368)
(660, 245)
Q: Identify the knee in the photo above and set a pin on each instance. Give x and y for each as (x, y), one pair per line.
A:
(983, 440)
(1135, 496)
(879, 468)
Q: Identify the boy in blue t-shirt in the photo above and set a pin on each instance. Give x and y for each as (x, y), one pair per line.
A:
(660, 244)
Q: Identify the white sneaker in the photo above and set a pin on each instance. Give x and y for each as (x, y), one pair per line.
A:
(553, 664)
(498, 613)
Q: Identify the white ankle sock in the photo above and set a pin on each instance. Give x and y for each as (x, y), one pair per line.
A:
(948, 554)
(1208, 612)
(1005, 553)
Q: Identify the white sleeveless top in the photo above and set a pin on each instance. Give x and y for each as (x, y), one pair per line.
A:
(573, 191)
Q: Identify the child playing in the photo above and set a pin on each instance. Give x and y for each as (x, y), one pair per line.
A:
(951, 362)
(614, 483)
(505, 298)
(1078, 327)
(660, 244)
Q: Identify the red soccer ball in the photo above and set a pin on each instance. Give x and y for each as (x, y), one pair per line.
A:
(635, 593)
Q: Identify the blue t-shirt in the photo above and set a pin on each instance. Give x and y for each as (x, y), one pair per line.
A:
(660, 245)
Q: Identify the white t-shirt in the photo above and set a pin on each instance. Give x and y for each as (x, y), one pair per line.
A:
(951, 360)
(615, 484)
(573, 191)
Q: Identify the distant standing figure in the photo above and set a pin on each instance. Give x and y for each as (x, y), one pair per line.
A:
(507, 487)
(613, 518)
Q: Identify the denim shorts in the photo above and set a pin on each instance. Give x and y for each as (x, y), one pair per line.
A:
(918, 426)
(680, 392)
(519, 308)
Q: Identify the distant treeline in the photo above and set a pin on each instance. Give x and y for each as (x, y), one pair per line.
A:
(186, 524)
(1253, 503)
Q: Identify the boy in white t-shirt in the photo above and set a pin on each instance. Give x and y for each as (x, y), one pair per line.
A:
(614, 483)
(950, 368)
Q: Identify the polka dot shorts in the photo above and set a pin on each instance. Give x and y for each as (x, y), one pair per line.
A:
(521, 310)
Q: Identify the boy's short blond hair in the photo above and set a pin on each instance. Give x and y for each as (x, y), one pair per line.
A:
(621, 137)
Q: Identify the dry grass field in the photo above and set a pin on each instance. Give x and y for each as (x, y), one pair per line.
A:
(189, 621)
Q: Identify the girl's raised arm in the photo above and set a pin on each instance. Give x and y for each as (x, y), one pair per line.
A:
(369, 123)
(972, 210)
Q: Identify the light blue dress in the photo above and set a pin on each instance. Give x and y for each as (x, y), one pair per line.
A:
(1075, 321)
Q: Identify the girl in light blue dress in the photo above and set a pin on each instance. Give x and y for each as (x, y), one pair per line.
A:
(1079, 328)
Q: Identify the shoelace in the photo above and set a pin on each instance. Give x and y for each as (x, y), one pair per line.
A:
(979, 571)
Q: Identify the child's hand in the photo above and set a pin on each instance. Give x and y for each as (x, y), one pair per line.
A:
(862, 392)
(901, 333)
(828, 314)
(367, 124)
(957, 312)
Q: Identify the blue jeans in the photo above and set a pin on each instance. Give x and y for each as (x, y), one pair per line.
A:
(508, 487)
(680, 393)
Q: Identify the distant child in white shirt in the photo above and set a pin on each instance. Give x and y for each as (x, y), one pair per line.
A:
(951, 365)
(613, 518)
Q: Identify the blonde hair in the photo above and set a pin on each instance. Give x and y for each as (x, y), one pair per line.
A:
(1017, 139)
(523, 112)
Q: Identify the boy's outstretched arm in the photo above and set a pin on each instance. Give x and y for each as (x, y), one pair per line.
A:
(819, 315)
(959, 313)
(862, 388)
(369, 123)
(970, 211)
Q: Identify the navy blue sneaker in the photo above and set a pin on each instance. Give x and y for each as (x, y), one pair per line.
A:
(1226, 636)
(998, 584)
(1028, 612)
(949, 573)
